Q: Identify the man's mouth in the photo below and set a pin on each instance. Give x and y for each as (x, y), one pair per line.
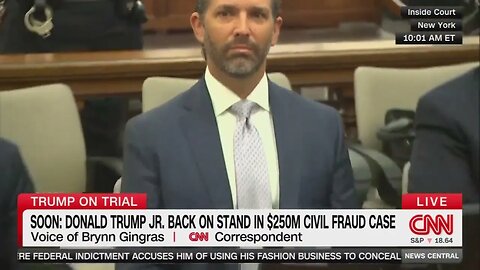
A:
(241, 48)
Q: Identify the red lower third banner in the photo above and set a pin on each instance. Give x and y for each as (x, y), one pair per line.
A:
(52, 201)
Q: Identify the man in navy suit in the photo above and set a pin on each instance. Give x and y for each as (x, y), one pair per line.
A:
(14, 179)
(446, 151)
(184, 154)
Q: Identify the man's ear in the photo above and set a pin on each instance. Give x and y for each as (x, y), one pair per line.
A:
(197, 26)
(276, 30)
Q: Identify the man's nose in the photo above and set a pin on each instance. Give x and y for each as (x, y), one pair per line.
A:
(242, 26)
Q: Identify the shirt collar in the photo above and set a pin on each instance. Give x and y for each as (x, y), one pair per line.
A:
(223, 98)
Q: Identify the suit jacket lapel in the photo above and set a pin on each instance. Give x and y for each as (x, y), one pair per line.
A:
(200, 127)
(285, 139)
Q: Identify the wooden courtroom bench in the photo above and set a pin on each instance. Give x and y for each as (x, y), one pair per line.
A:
(330, 65)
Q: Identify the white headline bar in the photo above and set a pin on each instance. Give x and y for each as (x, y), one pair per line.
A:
(242, 228)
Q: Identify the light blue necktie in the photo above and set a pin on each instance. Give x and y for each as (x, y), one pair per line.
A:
(251, 171)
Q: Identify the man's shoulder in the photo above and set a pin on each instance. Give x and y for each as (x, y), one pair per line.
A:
(305, 106)
(453, 105)
(10, 164)
(8, 150)
(461, 88)
(165, 113)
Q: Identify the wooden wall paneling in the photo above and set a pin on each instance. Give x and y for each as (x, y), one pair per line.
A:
(169, 15)
(155, 10)
(178, 14)
(328, 13)
(173, 15)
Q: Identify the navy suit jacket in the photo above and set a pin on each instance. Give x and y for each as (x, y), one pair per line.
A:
(445, 155)
(174, 154)
(14, 179)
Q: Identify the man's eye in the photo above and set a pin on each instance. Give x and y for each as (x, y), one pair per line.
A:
(223, 13)
(259, 15)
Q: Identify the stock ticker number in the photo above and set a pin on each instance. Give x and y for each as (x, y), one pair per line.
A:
(444, 240)
(436, 240)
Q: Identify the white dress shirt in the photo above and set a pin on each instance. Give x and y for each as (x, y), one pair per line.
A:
(222, 99)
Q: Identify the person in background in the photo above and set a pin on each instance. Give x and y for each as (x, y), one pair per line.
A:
(14, 179)
(76, 26)
(445, 156)
(236, 140)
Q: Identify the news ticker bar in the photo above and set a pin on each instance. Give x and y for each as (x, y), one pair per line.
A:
(229, 255)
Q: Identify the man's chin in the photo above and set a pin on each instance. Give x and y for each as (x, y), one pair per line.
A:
(240, 67)
(240, 72)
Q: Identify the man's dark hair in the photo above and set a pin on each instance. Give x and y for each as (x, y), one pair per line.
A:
(202, 6)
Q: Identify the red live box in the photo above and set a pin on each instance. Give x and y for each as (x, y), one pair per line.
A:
(432, 201)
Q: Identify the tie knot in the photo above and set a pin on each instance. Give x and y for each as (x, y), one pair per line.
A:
(243, 108)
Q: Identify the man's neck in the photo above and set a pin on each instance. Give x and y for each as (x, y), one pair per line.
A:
(242, 87)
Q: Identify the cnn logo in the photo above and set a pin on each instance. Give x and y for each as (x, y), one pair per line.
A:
(424, 224)
(198, 236)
